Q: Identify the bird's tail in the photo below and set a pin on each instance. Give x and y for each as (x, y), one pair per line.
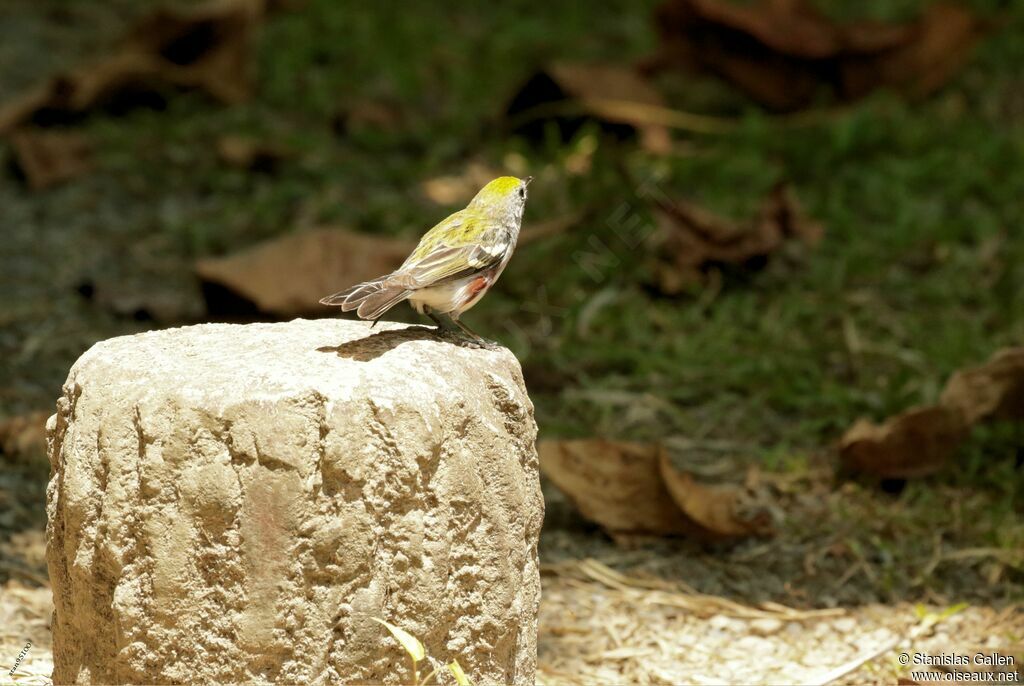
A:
(370, 299)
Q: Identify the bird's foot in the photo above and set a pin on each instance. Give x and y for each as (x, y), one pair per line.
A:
(487, 344)
(465, 340)
(460, 334)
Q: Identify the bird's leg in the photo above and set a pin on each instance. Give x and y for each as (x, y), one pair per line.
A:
(442, 325)
(447, 324)
(469, 332)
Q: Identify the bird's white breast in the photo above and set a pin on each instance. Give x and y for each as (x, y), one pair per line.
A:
(443, 297)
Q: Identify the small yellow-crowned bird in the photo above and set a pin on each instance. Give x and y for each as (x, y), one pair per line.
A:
(455, 263)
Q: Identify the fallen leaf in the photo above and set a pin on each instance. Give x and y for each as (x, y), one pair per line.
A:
(287, 276)
(205, 46)
(994, 390)
(782, 52)
(617, 485)
(720, 511)
(251, 154)
(47, 158)
(633, 488)
(690, 239)
(941, 41)
(916, 442)
(767, 49)
(23, 438)
(921, 440)
(569, 93)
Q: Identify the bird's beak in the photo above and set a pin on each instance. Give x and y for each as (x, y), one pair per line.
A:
(527, 180)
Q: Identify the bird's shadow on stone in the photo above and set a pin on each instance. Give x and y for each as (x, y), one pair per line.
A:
(373, 346)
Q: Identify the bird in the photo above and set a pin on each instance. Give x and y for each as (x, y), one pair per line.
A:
(454, 264)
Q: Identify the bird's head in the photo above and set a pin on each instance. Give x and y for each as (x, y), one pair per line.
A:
(504, 197)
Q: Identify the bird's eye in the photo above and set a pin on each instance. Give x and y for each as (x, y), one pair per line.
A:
(522, 192)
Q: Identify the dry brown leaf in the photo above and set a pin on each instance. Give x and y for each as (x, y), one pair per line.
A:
(205, 46)
(632, 488)
(691, 239)
(568, 93)
(23, 438)
(763, 49)
(47, 158)
(251, 154)
(916, 442)
(287, 276)
(718, 511)
(921, 440)
(781, 52)
(994, 390)
(941, 41)
(617, 485)
(791, 28)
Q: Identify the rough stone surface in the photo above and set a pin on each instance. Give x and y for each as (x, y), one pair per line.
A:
(234, 503)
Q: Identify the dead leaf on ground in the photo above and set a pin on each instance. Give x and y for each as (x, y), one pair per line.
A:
(632, 488)
(921, 440)
(47, 158)
(617, 485)
(916, 442)
(941, 41)
(720, 511)
(23, 438)
(287, 276)
(994, 390)
(782, 52)
(691, 240)
(251, 154)
(205, 46)
(569, 93)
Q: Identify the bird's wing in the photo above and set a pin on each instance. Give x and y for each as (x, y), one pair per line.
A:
(461, 245)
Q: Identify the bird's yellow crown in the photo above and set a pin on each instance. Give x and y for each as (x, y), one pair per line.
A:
(498, 188)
